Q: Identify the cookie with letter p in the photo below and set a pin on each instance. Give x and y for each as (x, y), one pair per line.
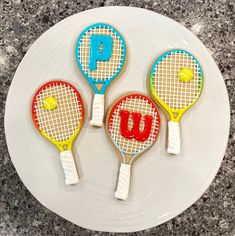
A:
(101, 56)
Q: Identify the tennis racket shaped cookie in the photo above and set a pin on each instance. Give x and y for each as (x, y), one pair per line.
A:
(58, 114)
(176, 83)
(133, 125)
(100, 54)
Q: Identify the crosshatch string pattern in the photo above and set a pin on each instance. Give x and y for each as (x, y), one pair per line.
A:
(105, 69)
(169, 88)
(62, 122)
(141, 105)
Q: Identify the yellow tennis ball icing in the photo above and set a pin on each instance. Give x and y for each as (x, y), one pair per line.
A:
(185, 74)
(50, 103)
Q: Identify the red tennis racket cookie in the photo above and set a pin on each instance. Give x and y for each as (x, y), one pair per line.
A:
(58, 114)
(133, 125)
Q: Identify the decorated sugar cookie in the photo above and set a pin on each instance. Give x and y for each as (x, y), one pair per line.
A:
(133, 124)
(58, 114)
(176, 84)
(101, 56)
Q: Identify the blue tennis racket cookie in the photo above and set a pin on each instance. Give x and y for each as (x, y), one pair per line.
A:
(176, 82)
(101, 55)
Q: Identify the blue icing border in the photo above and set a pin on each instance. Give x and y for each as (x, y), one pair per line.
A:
(90, 79)
(172, 52)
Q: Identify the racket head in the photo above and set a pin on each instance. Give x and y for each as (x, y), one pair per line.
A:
(108, 70)
(137, 103)
(174, 95)
(62, 124)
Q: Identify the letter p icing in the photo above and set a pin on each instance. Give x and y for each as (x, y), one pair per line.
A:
(100, 49)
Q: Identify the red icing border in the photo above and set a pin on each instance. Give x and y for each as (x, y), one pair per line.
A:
(138, 95)
(34, 116)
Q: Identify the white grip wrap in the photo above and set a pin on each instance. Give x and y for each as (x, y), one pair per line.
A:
(123, 182)
(97, 110)
(173, 137)
(70, 171)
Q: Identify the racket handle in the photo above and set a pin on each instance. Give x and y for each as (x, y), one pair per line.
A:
(123, 182)
(70, 171)
(173, 137)
(97, 110)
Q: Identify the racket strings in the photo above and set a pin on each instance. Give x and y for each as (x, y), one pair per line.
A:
(60, 123)
(133, 104)
(169, 88)
(105, 69)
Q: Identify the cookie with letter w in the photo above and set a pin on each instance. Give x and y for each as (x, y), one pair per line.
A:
(132, 124)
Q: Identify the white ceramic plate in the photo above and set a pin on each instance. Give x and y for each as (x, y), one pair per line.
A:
(162, 185)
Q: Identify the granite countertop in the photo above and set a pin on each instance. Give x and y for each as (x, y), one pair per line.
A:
(23, 21)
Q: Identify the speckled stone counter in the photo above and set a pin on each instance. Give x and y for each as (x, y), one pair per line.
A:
(23, 21)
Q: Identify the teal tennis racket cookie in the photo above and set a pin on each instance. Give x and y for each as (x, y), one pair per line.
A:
(101, 55)
(176, 82)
